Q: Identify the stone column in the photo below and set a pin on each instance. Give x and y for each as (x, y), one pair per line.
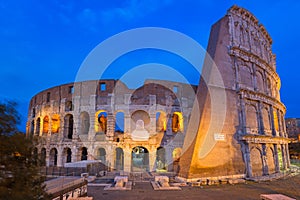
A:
(279, 123)
(152, 158)
(152, 123)
(110, 157)
(276, 160)
(272, 121)
(261, 127)
(110, 126)
(92, 116)
(59, 157)
(243, 115)
(127, 159)
(288, 162)
(127, 123)
(169, 157)
(74, 154)
(247, 160)
(264, 160)
(283, 152)
(47, 157)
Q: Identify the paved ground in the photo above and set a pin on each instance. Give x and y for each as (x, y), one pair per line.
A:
(250, 190)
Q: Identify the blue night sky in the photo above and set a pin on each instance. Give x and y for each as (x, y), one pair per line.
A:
(43, 43)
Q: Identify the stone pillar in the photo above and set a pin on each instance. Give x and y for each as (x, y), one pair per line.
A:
(169, 124)
(261, 127)
(169, 158)
(272, 121)
(47, 157)
(243, 115)
(288, 162)
(93, 100)
(152, 128)
(110, 126)
(127, 123)
(152, 159)
(247, 160)
(127, 159)
(276, 160)
(110, 157)
(60, 157)
(279, 123)
(74, 154)
(283, 152)
(264, 160)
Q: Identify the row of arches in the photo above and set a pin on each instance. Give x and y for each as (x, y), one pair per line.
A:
(139, 157)
(267, 160)
(257, 79)
(45, 125)
(264, 119)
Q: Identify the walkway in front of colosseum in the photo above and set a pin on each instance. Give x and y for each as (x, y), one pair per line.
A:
(250, 190)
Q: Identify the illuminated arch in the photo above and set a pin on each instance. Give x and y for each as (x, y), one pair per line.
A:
(46, 125)
(177, 122)
(101, 122)
(55, 123)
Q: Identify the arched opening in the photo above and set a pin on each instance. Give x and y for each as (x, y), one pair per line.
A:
(53, 157)
(139, 159)
(270, 160)
(119, 126)
(266, 121)
(259, 82)
(55, 123)
(140, 115)
(101, 125)
(67, 155)
(32, 128)
(101, 154)
(161, 122)
(119, 159)
(84, 153)
(43, 157)
(176, 154)
(251, 119)
(38, 126)
(68, 128)
(46, 125)
(269, 87)
(161, 159)
(246, 76)
(84, 123)
(177, 122)
(256, 162)
(68, 106)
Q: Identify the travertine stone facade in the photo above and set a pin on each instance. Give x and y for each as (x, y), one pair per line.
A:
(112, 123)
(253, 138)
(74, 123)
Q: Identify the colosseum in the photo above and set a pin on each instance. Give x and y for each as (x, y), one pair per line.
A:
(153, 127)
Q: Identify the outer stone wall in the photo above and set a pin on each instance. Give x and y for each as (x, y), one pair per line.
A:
(253, 138)
(73, 123)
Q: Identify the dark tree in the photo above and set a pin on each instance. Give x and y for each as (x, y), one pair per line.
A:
(19, 170)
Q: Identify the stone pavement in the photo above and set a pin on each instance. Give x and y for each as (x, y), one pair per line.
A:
(250, 190)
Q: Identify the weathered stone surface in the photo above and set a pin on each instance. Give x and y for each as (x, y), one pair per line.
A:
(241, 132)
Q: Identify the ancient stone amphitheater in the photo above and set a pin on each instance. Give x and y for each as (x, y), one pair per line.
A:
(152, 128)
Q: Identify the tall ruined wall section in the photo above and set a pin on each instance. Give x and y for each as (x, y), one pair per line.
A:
(253, 140)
